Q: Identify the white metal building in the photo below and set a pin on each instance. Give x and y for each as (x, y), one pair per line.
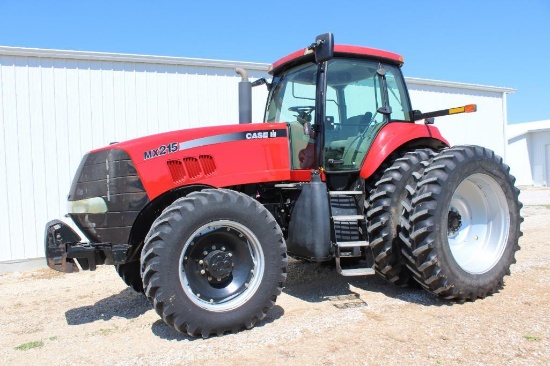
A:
(529, 152)
(57, 105)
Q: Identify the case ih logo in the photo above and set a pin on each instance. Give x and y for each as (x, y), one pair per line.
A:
(261, 135)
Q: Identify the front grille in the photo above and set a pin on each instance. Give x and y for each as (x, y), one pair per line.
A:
(109, 174)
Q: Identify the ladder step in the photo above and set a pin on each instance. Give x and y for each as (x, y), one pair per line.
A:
(352, 244)
(348, 217)
(288, 185)
(345, 193)
(356, 271)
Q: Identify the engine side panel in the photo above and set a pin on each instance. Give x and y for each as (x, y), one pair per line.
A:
(216, 156)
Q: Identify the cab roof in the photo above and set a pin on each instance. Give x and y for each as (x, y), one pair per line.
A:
(306, 55)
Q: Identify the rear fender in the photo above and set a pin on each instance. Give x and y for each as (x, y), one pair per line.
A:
(396, 135)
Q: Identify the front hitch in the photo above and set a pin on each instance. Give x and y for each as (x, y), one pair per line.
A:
(62, 246)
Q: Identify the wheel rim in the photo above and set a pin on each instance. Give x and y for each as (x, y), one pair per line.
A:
(478, 223)
(221, 265)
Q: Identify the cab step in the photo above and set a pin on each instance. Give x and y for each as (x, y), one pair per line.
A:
(354, 271)
(348, 218)
(353, 254)
(345, 193)
(352, 244)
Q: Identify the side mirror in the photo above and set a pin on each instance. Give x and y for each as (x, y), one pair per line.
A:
(323, 47)
(384, 110)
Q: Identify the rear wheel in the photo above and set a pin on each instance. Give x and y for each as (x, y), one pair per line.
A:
(214, 261)
(384, 216)
(464, 224)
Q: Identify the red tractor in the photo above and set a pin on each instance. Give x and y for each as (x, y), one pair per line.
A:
(202, 220)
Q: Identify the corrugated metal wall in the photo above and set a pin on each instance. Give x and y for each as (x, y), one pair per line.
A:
(529, 152)
(57, 105)
(486, 127)
(539, 157)
(53, 110)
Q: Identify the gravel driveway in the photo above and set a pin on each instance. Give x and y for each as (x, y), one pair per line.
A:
(51, 318)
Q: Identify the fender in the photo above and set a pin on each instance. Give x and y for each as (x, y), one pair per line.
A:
(393, 136)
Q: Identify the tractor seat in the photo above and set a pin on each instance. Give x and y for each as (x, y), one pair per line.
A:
(355, 125)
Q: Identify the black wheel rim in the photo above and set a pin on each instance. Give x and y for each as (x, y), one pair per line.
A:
(221, 265)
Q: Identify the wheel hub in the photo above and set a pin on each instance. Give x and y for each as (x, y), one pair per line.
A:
(218, 264)
(454, 221)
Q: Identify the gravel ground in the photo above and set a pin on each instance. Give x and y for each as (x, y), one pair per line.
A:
(51, 318)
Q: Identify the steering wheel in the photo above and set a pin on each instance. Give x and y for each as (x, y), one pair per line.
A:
(304, 113)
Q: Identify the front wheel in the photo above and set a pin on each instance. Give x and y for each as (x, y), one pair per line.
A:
(214, 261)
(465, 224)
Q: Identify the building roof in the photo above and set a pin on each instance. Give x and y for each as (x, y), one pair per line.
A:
(518, 129)
(186, 61)
(125, 57)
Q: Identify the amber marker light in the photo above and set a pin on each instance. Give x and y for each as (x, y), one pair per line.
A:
(470, 108)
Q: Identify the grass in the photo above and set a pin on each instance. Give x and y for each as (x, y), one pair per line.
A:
(532, 338)
(543, 206)
(30, 345)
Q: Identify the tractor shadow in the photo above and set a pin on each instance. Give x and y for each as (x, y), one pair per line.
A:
(319, 282)
(127, 304)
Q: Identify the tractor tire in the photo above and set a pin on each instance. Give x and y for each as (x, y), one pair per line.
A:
(131, 275)
(464, 224)
(384, 216)
(214, 262)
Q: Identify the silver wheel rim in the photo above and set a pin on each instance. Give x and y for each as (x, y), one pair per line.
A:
(478, 223)
(198, 286)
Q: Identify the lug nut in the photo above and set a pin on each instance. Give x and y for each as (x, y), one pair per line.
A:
(209, 278)
(230, 254)
(223, 249)
(205, 253)
(201, 261)
(203, 271)
(213, 247)
(218, 279)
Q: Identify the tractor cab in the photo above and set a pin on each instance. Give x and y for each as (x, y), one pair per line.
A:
(336, 106)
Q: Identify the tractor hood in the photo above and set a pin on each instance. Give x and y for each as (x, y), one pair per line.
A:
(217, 156)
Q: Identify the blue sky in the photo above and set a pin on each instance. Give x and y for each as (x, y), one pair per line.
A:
(501, 43)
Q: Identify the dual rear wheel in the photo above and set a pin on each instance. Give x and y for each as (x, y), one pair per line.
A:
(452, 224)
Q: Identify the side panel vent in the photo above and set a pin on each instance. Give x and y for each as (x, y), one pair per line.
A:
(208, 165)
(193, 167)
(176, 170)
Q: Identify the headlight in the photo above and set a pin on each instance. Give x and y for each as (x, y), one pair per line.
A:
(92, 205)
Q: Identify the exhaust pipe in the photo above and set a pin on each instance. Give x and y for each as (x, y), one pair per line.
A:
(245, 97)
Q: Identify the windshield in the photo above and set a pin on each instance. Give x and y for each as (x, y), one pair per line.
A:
(353, 96)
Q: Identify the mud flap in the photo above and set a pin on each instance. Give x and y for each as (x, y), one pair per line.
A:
(57, 236)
